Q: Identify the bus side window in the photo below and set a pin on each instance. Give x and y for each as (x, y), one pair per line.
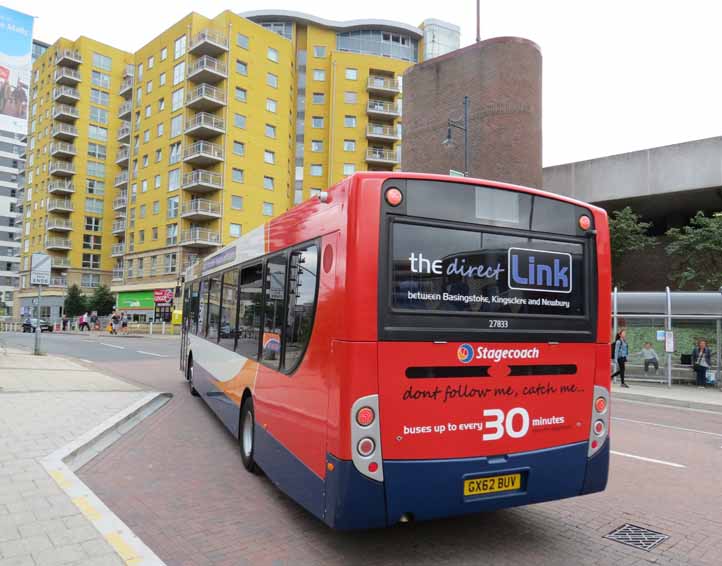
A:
(274, 286)
(193, 309)
(229, 303)
(214, 308)
(301, 303)
(202, 309)
(249, 311)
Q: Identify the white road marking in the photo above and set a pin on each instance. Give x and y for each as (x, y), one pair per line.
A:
(86, 361)
(668, 426)
(652, 460)
(151, 354)
(112, 346)
(663, 406)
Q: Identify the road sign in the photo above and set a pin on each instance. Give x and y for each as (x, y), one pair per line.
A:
(40, 269)
(455, 173)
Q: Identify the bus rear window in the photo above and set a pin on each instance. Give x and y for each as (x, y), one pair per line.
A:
(442, 269)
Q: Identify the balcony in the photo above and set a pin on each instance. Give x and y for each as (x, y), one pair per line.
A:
(382, 109)
(205, 98)
(64, 132)
(66, 94)
(381, 132)
(60, 205)
(120, 203)
(383, 85)
(17, 236)
(68, 57)
(66, 76)
(205, 126)
(124, 132)
(379, 156)
(207, 70)
(117, 274)
(62, 168)
(59, 282)
(121, 181)
(118, 227)
(122, 156)
(200, 238)
(203, 153)
(52, 243)
(125, 110)
(59, 225)
(201, 209)
(208, 42)
(61, 188)
(200, 181)
(65, 113)
(59, 262)
(62, 149)
(126, 87)
(117, 249)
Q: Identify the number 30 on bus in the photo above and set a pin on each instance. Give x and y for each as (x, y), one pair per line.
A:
(411, 346)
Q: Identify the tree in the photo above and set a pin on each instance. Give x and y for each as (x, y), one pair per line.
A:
(75, 302)
(102, 301)
(627, 233)
(698, 247)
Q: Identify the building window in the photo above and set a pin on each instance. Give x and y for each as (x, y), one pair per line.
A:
(179, 47)
(100, 79)
(91, 242)
(164, 54)
(93, 224)
(271, 105)
(349, 169)
(273, 54)
(174, 180)
(95, 169)
(99, 115)
(91, 261)
(235, 230)
(90, 280)
(149, 87)
(319, 75)
(351, 74)
(143, 209)
(316, 145)
(146, 136)
(156, 207)
(140, 71)
(349, 121)
(239, 148)
(145, 161)
(269, 157)
(241, 67)
(151, 62)
(319, 51)
(141, 237)
(237, 175)
(350, 97)
(239, 120)
(96, 150)
(99, 97)
(176, 100)
(172, 207)
(154, 233)
(102, 62)
(242, 41)
(270, 131)
(161, 79)
(156, 182)
(147, 111)
(317, 122)
(158, 155)
(97, 133)
(176, 125)
(236, 202)
(267, 209)
(143, 188)
(174, 155)
(272, 80)
(349, 145)
(316, 170)
(241, 94)
(319, 98)
(171, 234)
(268, 183)
(160, 129)
(95, 187)
(179, 72)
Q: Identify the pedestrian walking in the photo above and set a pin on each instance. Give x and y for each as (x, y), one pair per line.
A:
(649, 356)
(621, 351)
(65, 322)
(701, 358)
(94, 321)
(114, 322)
(124, 323)
(84, 322)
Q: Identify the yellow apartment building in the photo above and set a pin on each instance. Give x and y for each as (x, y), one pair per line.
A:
(140, 163)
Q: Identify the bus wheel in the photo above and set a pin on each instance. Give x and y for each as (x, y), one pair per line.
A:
(246, 436)
(189, 377)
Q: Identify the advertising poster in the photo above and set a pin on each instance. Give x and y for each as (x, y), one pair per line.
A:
(16, 42)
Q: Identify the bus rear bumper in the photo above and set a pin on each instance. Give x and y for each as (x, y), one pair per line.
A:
(429, 489)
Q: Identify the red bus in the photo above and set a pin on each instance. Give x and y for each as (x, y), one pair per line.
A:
(411, 346)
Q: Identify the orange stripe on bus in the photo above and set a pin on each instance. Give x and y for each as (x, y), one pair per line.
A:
(244, 379)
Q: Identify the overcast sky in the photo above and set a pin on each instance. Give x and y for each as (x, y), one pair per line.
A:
(618, 75)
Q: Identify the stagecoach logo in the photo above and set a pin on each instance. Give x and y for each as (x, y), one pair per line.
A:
(539, 270)
(465, 353)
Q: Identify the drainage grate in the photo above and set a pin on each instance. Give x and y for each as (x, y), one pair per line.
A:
(638, 537)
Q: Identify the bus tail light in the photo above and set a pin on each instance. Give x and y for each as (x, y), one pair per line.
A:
(394, 196)
(600, 420)
(366, 437)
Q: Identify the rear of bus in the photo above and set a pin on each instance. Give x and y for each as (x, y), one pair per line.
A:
(493, 333)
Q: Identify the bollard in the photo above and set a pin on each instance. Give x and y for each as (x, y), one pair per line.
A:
(150, 328)
(162, 331)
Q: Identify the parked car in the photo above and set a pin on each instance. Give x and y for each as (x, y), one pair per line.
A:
(29, 325)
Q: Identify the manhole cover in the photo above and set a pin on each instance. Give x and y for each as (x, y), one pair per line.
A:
(638, 537)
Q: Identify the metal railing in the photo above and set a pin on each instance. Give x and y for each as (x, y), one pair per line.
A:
(69, 91)
(206, 91)
(61, 109)
(126, 83)
(390, 155)
(64, 72)
(207, 63)
(59, 262)
(122, 154)
(382, 106)
(117, 273)
(60, 187)
(124, 130)
(62, 147)
(120, 202)
(64, 129)
(381, 130)
(60, 204)
(117, 249)
(201, 177)
(53, 242)
(121, 179)
(200, 206)
(125, 108)
(59, 224)
(205, 120)
(208, 36)
(59, 282)
(203, 148)
(71, 54)
(200, 235)
(385, 83)
(64, 166)
(118, 226)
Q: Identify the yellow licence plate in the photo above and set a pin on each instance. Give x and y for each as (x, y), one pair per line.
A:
(492, 484)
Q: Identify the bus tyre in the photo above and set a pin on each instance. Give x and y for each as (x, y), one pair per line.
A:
(246, 436)
(189, 377)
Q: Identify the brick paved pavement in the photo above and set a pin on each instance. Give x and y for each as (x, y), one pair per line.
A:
(191, 501)
(39, 524)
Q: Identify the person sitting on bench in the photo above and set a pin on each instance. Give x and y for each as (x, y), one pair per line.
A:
(650, 357)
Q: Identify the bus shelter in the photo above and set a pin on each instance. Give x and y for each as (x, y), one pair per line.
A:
(673, 323)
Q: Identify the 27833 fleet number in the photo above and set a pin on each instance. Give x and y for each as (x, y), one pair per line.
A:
(498, 323)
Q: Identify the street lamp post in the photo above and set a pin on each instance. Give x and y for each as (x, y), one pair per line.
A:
(462, 125)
